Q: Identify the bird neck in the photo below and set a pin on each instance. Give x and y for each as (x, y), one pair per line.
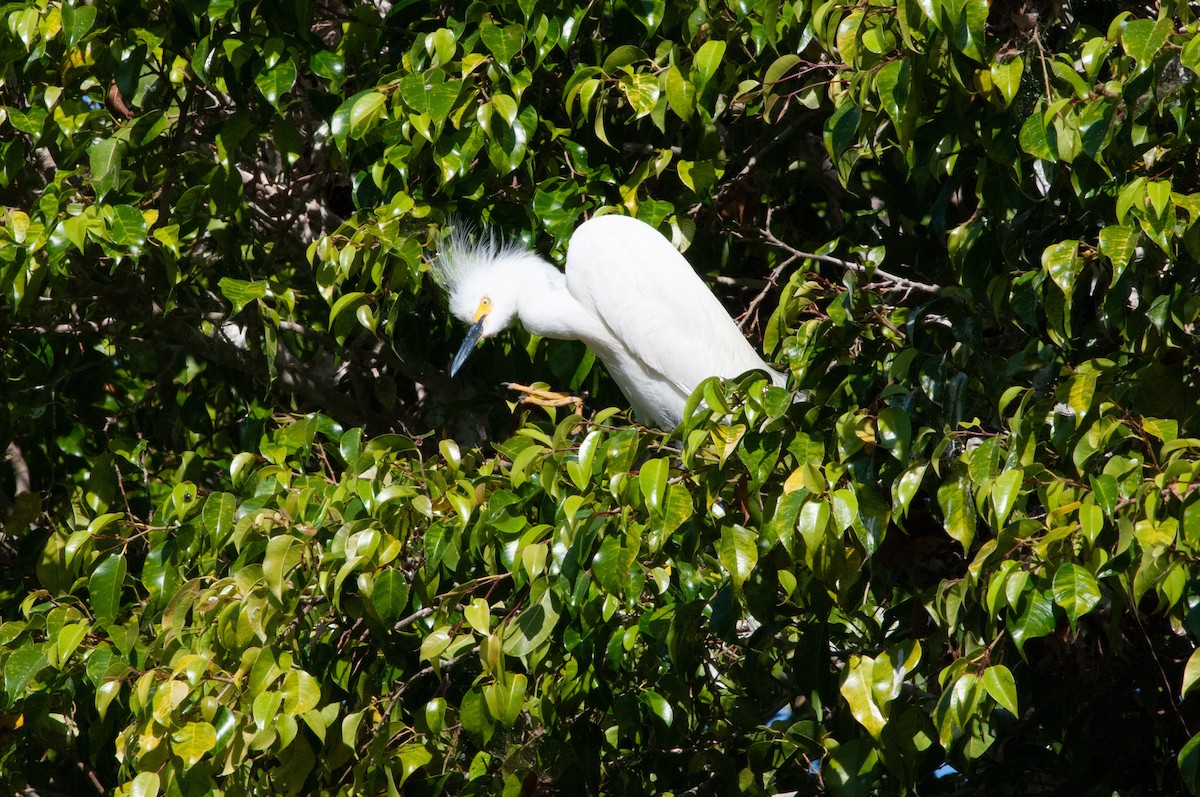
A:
(546, 308)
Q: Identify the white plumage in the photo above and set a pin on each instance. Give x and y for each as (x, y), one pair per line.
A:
(627, 293)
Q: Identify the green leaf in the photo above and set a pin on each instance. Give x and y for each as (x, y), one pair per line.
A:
(68, 640)
(77, 21)
(1189, 764)
(641, 90)
(442, 44)
(967, 25)
(653, 480)
(1091, 521)
(533, 625)
(431, 94)
(347, 301)
(24, 24)
(678, 508)
(622, 56)
(241, 292)
(283, 555)
(366, 112)
(1118, 243)
(519, 472)
(841, 129)
(958, 510)
(1035, 137)
(105, 587)
(503, 43)
(389, 595)
(435, 644)
(905, 487)
(277, 81)
(22, 667)
(218, 515)
(579, 467)
(1004, 492)
(999, 682)
(1144, 38)
(104, 160)
(858, 690)
(128, 226)
(1062, 262)
(1075, 590)
(300, 691)
(848, 36)
(707, 61)
(75, 228)
(780, 69)
(507, 107)
(611, 565)
(473, 713)
(738, 553)
(30, 121)
(146, 784)
(478, 615)
(193, 741)
(506, 698)
(328, 65)
(895, 432)
(1036, 619)
(658, 705)
(813, 525)
(893, 81)
(1165, 429)
(1159, 194)
(1191, 673)
(413, 757)
(1006, 76)
(681, 94)
(1081, 392)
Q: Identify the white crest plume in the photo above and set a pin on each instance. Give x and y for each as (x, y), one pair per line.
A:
(464, 250)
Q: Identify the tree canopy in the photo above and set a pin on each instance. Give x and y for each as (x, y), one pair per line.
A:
(255, 540)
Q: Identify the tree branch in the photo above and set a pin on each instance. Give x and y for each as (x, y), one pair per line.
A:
(895, 281)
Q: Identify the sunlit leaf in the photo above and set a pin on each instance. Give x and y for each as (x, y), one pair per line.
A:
(22, 667)
(1075, 590)
(1143, 38)
(193, 741)
(857, 689)
(611, 565)
(653, 480)
(1062, 262)
(738, 553)
(105, 587)
(707, 60)
(958, 510)
(1000, 684)
(278, 80)
(104, 159)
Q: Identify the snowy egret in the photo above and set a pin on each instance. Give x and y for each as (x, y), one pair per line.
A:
(627, 293)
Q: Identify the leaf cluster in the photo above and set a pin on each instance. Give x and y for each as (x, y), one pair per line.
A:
(958, 553)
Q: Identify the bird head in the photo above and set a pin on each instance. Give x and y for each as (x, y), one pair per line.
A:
(474, 273)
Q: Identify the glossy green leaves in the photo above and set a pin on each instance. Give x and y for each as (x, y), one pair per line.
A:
(256, 541)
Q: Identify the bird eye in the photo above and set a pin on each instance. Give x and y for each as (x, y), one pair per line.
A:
(485, 301)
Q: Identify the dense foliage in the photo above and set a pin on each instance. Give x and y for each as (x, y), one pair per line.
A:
(255, 541)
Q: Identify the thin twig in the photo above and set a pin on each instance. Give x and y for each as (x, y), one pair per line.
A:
(412, 618)
(772, 282)
(899, 283)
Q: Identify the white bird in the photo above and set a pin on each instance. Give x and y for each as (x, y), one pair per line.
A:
(627, 293)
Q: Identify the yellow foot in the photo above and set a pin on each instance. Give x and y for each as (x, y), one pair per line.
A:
(545, 398)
